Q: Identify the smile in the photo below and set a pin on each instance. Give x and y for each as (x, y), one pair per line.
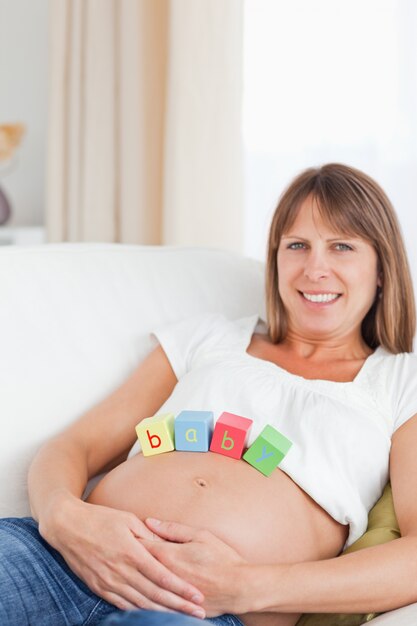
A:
(320, 298)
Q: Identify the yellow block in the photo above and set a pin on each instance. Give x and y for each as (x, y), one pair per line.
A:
(156, 434)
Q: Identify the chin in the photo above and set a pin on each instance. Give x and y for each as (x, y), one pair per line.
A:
(317, 329)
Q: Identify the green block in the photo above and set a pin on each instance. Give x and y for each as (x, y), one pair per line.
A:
(268, 450)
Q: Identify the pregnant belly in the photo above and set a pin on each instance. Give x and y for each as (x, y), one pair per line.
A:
(264, 519)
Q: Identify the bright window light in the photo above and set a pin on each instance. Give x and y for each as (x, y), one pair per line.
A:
(328, 81)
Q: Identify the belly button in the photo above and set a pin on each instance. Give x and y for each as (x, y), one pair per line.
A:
(201, 482)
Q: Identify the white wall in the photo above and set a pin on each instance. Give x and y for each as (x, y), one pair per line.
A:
(23, 98)
(330, 81)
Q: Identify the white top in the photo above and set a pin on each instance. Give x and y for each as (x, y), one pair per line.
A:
(341, 431)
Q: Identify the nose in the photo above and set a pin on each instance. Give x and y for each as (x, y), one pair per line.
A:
(316, 265)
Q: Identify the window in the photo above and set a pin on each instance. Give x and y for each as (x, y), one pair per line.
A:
(329, 81)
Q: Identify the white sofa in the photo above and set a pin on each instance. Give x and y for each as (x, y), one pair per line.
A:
(75, 320)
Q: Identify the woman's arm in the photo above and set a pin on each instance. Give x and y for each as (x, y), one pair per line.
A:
(99, 543)
(376, 579)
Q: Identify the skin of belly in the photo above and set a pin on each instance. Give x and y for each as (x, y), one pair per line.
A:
(265, 519)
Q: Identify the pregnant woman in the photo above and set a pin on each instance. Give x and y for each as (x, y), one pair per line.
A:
(330, 368)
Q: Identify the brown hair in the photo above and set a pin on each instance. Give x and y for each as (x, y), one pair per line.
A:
(351, 202)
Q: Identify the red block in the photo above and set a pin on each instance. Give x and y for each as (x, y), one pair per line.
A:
(230, 435)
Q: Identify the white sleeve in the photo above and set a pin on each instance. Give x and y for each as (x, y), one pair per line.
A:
(181, 340)
(403, 383)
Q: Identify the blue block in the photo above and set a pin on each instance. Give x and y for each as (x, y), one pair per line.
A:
(193, 430)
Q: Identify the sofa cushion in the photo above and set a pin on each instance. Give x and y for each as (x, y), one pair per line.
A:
(75, 320)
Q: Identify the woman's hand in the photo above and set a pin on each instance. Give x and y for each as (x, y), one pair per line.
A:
(102, 546)
(198, 555)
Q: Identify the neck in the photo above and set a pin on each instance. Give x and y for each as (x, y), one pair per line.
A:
(318, 350)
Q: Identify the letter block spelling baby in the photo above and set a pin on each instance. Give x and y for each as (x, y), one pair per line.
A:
(193, 430)
(156, 434)
(268, 449)
(230, 435)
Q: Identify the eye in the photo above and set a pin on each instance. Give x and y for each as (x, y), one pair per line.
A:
(299, 245)
(296, 243)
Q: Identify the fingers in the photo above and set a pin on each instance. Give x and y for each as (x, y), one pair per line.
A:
(158, 598)
(126, 598)
(173, 531)
(107, 553)
(165, 580)
(150, 588)
(118, 601)
(137, 601)
(139, 529)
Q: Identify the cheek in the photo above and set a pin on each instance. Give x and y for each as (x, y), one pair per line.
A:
(286, 276)
(288, 266)
(362, 280)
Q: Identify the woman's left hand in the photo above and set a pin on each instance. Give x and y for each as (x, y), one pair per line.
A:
(199, 556)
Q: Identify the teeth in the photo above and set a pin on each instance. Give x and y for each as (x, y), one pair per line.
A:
(321, 297)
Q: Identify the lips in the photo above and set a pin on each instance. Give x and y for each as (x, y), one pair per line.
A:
(322, 303)
(318, 293)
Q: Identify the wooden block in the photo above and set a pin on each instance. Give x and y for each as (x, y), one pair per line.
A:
(193, 430)
(156, 434)
(268, 450)
(230, 435)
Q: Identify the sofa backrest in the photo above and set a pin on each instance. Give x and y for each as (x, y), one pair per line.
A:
(75, 321)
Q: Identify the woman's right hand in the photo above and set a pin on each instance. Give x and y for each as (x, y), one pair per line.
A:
(101, 546)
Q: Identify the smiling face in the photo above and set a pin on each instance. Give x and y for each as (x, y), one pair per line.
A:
(327, 281)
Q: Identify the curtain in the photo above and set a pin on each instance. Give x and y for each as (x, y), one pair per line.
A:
(144, 142)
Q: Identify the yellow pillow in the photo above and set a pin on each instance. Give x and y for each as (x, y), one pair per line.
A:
(382, 527)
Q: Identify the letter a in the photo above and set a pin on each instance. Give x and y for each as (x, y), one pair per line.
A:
(150, 437)
(224, 445)
(192, 438)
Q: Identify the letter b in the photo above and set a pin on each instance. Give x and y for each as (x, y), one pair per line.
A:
(230, 434)
(225, 439)
(156, 434)
(151, 437)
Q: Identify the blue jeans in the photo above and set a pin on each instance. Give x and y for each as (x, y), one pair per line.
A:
(37, 588)
(155, 618)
